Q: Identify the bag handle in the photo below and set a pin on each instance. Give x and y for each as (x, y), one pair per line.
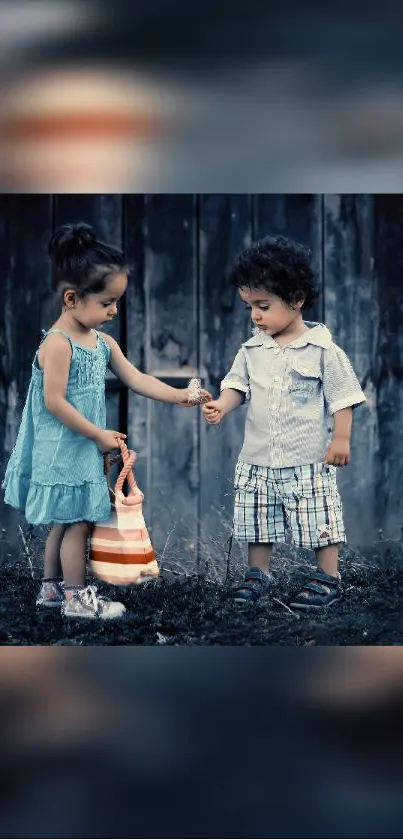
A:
(129, 457)
(110, 461)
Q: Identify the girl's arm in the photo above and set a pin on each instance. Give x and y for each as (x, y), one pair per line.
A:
(143, 383)
(56, 366)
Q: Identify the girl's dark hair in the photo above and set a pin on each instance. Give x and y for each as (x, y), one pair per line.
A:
(278, 265)
(81, 261)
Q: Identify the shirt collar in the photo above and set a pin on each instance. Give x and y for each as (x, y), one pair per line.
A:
(318, 335)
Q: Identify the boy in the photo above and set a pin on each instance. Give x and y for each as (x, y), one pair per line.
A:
(294, 378)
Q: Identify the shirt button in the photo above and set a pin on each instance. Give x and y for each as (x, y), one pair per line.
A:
(276, 351)
(277, 378)
(273, 408)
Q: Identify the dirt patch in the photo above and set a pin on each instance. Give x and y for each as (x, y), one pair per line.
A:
(195, 611)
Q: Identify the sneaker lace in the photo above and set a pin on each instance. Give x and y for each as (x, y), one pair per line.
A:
(89, 597)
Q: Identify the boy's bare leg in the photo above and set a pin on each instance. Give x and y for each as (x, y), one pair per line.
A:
(327, 559)
(259, 555)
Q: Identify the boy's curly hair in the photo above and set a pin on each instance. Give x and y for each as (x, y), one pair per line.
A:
(278, 265)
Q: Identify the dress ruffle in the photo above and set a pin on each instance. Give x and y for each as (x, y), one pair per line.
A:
(57, 503)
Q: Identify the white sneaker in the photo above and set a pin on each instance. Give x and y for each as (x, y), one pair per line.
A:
(51, 594)
(85, 604)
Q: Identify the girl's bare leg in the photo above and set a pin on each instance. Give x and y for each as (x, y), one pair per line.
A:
(52, 565)
(73, 554)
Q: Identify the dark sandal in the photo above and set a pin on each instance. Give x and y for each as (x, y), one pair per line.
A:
(252, 587)
(326, 590)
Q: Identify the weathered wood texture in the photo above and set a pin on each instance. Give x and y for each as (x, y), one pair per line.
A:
(104, 212)
(171, 345)
(388, 361)
(225, 226)
(25, 295)
(180, 318)
(352, 315)
(136, 326)
(297, 216)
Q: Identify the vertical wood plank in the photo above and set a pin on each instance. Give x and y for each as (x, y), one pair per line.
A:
(137, 426)
(5, 347)
(171, 351)
(225, 229)
(352, 315)
(300, 218)
(25, 289)
(104, 213)
(388, 362)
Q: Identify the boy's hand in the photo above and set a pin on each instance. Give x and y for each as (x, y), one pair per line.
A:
(186, 400)
(338, 452)
(213, 412)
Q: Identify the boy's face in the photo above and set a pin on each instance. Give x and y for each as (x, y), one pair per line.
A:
(268, 312)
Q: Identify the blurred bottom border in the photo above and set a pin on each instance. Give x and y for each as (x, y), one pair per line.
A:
(200, 742)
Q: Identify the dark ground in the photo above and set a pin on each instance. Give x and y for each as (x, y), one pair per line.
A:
(194, 611)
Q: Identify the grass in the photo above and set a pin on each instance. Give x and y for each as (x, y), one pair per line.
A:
(190, 605)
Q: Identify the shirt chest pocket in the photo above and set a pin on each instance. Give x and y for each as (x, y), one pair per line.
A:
(304, 384)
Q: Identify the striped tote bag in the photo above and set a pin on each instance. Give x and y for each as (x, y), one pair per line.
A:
(120, 550)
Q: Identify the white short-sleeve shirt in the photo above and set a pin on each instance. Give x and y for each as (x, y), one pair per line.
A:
(292, 393)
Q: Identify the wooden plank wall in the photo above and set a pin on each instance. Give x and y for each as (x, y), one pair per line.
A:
(104, 212)
(352, 314)
(388, 360)
(180, 318)
(225, 227)
(25, 305)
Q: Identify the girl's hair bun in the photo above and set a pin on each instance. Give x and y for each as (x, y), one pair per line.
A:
(83, 234)
(80, 259)
(71, 237)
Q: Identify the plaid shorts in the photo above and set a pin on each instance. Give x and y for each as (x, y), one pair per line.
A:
(299, 500)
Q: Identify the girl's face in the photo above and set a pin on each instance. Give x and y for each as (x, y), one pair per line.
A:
(269, 312)
(97, 309)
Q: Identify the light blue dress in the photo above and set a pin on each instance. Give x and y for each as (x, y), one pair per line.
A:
(55, 475)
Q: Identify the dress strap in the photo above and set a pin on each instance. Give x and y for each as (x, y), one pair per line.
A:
(45, 334)
(104, 344)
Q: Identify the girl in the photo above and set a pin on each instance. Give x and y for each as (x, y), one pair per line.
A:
(56, 471)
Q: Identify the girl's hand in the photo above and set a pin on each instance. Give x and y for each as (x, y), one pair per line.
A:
(213, 412)
(186, 400)
(107, 440)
